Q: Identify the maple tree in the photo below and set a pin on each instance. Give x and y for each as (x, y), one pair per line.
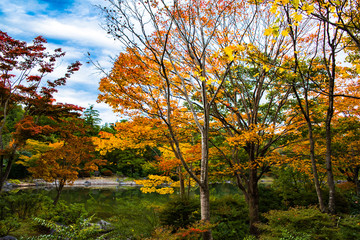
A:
(252, 108)
(324, 54)
(171, 52)
(177, 64)
(337, 29)
(141, 133)
(24, 68)
(345, 127)
(61, 161)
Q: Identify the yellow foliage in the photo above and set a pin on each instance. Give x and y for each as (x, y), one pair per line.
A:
(255, 134)
(153, 182)
(36, 148)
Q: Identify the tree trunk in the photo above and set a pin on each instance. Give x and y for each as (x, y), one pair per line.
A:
(205, 209)
(356, 180)
(1, 171)
(204, 178)
(59, 190)
(314, 169)
(182, 183)
(253, 201)
(329, 115)
(330, 175)
(5, 173)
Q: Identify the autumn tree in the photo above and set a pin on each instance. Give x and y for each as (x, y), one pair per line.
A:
(326, 45)
(346, 126)
(61, 161)
(141, 133)
(24, 68)
(177, 39)
(252, 105)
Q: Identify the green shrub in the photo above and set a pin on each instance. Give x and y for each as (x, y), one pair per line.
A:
(349, 227)
(68, 213)
(230, 214)
(8, 225)
(293, 187)
(19, 171)
(270, 199)
(250, 237)
(180, 213)
(287, 235)
(300, 222)
(83, 230)
(23, 204)
(354, 204)
(132, 219)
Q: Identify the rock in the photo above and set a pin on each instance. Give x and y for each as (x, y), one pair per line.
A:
(8, 186)
(87, 183)
(104, 225)
(8, 238)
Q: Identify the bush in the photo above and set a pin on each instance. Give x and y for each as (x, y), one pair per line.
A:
(354, 204)
(270, 199)
(180, 213)
(83, 230)
(300, 222)
(349, 227)
(132, 220)
(68, 213)
(230, 214)
(8, 225)
(23, 205)
(294, 188)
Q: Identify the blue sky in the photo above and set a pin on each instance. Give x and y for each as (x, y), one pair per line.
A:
(75, 26)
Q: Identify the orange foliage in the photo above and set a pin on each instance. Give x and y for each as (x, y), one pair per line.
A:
(65, 158)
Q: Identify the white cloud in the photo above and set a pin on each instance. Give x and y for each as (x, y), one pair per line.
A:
(84, 99)
(84, 32)
(79, 28)
(77, 31)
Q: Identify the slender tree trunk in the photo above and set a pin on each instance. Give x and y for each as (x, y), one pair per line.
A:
(1, 171)
(59, 190)
(330, 175)
(5, 173)
(306, 114)
(329, 115)
(314, 169)
(253, 201)
(205, 209)
(182, 183)
(204, 178)
(205, 201)
(356, 180)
